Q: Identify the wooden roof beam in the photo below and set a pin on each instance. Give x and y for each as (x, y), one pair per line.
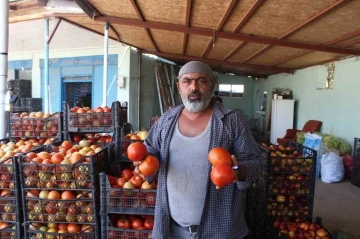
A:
(53, 32)
(337, 40)
(85, 28)
(187, 23)
(234, 50)
(301, 26)
(248, 15)
(219, 27)
(225, 35)
(243, 21)
(138, 12)
(219, 62)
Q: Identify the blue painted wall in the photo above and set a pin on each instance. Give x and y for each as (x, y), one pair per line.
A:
(79, 67)
(27, 64)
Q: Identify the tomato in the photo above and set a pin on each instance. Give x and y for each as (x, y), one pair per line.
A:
(77, 138)
(150, 199)
(123, 222)
(219, 156)
(137, 181)
(137, 223)
(120, 182)
(112, 180)
(137, 151)
(149, 224)
(127, 174)
(133, 217)
(149, 166)
(111, 234)
(222, 175)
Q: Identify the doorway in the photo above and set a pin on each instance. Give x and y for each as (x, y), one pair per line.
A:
(78, 94)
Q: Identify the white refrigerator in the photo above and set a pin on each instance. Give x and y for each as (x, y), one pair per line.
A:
(282, 118)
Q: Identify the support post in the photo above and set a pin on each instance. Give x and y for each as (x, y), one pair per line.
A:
(106, 54)
(139, 89)
(4, 41)
(46, 67)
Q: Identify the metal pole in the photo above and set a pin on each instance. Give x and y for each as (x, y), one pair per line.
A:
(46, 66)
(106, 54)
(139, 90)
(4, 41)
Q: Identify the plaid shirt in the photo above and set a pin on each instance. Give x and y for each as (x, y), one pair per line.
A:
(223, 215)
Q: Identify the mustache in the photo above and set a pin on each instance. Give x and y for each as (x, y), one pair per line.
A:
(195, 93)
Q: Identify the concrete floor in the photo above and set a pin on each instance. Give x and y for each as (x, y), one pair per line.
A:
(338, 204)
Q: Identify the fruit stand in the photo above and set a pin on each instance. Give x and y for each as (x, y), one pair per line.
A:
(284, 193)
(81, 183)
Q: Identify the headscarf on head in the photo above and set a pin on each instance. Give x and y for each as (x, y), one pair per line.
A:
(196, 66)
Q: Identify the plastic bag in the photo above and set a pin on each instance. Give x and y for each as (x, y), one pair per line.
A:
(332, 168)
(314, 141)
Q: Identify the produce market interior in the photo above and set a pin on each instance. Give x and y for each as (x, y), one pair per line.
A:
(87, 79)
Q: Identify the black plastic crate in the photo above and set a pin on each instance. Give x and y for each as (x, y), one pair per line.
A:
(356, 154)
(33, 102)
(285, 187)
(36, 127)
(277, 234)
(22, 93)
(22, 102)
(86, 232)
(10, 196)
(24, 74)
(103, 122)
(11, 231)
(126, 201)
(109, 229)
(19, 84)
(355, 177)
(80, 180)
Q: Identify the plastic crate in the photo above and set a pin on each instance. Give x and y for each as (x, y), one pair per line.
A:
(103, 122)
(109, 230)
(10, 197)
(81, 179)
(22, 93)
(19, 84)
(35, 127)
(276, 234)
(126, 201)
(33, 102)
(355, 177)
(356, 154)
(285, 187)
(87, 233)
(11, 231)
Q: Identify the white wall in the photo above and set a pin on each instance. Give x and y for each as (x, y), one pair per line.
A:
(337, 108)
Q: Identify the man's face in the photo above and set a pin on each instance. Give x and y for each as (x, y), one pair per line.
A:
(196, 91)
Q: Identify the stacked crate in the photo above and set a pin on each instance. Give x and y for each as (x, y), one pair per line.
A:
(285, 188)
(96, 122)
(25, 127)
(355, 178)
(120, 205)
(21, 85)
(75, 199)
(10, 214)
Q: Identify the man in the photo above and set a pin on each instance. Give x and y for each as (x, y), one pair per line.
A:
(188, 205)
(217, 98)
